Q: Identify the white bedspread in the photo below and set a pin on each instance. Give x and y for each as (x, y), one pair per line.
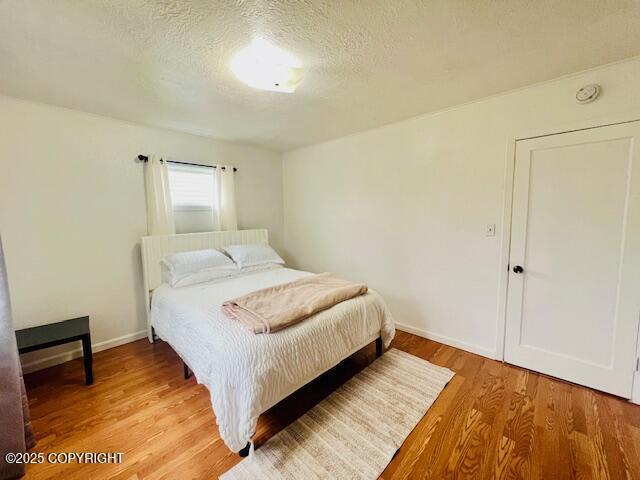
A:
(245, 373)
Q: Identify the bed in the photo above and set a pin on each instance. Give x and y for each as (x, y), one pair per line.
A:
(246, 374)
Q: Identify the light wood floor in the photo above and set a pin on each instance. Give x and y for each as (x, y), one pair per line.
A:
(492, 420)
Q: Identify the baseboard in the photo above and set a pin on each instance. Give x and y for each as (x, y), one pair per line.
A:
(452, 342)
(63, 357)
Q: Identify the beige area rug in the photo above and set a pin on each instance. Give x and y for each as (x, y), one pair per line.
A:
(355, 431)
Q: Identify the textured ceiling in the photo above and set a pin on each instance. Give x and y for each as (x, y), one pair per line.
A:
(367, 63)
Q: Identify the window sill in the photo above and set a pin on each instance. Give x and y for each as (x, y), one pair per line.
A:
(192, 208)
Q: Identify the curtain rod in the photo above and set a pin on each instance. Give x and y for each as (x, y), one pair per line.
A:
(145, 158)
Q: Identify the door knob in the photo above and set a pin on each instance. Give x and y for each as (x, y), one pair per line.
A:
(518, 269)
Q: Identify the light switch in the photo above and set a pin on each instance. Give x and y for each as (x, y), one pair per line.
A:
(491, 230)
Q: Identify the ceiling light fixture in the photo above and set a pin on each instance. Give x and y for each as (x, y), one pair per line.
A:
(264, 66)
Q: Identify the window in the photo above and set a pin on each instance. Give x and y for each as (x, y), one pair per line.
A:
(192, 187)
(193, 196)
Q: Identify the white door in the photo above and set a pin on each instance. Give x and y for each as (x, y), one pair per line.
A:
(574, 283)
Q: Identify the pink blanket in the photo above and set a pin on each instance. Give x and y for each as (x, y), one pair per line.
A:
(274, 308)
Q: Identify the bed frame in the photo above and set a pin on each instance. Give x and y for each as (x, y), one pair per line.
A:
(155, 248)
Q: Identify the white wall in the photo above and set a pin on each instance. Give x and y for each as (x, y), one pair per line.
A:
(404, 207)
(72, 211)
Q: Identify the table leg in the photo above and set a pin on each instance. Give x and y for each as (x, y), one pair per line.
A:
(88, 359)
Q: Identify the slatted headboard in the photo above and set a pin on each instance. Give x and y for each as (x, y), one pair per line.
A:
(156, 247)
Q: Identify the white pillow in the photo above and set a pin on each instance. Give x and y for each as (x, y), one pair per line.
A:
(188, 268)
(260, 268)
(251, 255)
(202, 276)
(196, 260)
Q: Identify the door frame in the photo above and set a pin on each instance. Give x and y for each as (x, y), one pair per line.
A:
(506, 220)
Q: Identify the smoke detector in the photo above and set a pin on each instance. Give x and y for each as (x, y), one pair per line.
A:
(588, 93)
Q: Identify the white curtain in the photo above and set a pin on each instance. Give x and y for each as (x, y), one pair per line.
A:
(159, 207)
(225, 205)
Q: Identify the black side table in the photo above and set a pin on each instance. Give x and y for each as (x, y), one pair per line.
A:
(45, 336)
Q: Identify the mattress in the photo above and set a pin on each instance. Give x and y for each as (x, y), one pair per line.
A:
(246, 373)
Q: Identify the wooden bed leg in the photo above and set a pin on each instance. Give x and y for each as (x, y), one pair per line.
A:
(187, 373)
(245, 451)
(378, 346)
